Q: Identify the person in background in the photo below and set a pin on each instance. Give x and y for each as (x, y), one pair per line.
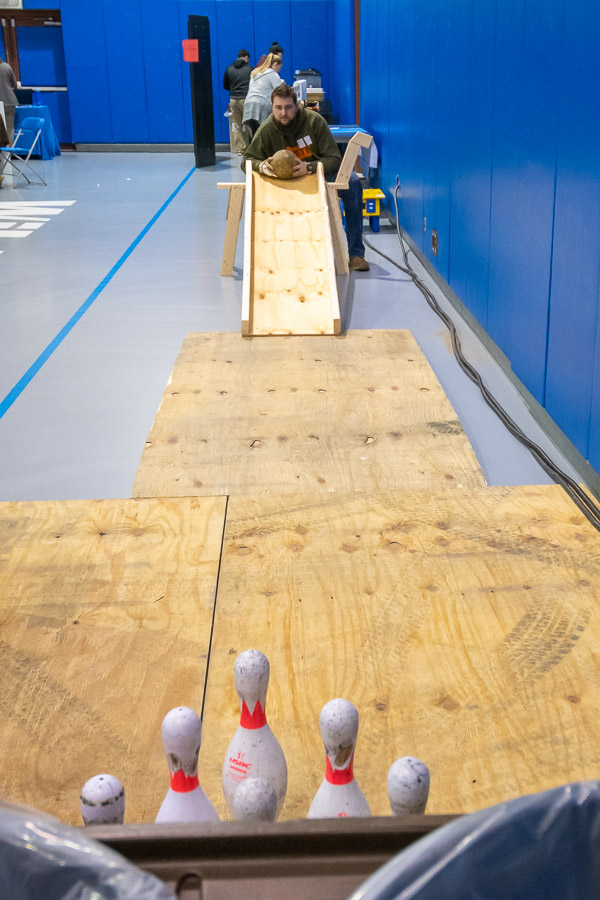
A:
(236, 80)
(307, 135)
(257, 106)
(7, 84)
(275, 48)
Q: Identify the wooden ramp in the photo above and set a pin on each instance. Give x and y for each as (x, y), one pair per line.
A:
(464, 625)
(106, 610)
(289, 273)
(360, 412)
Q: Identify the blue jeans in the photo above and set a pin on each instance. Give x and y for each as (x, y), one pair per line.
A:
(353, 208)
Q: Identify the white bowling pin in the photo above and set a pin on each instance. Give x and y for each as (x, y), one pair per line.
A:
(254, 750)
(408, 786)
(339, 795)
(185, 800)
(102, 801)
(254, 800)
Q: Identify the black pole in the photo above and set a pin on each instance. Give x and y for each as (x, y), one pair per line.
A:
(202, 97)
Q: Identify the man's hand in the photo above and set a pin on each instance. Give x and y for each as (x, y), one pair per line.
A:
(265, 168)
(300, 168)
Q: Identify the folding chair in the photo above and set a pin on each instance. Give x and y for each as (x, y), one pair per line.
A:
(17, 156)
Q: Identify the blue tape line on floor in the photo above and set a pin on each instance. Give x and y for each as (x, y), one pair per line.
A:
(20, 386)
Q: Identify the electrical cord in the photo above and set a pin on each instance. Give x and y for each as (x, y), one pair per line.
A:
(581, 499)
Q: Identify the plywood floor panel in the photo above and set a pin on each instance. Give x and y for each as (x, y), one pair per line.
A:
(105, 612)
(464, 625)
(359, 412)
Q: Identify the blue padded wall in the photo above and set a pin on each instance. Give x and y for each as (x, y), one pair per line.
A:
(341, 50)
(573, 316)
(87, 70)
(492, 124)
(124, 46)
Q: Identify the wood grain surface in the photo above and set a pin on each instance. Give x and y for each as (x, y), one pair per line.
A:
(105, 616)
(290, 276)
(464, 625)
(359, 412)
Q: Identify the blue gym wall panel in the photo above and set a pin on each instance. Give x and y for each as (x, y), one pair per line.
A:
(399, 159)
(87, 74)
(163, 62)
(404, 86)
(272, 22)
(381, 66)
(472, 154)
(342, 54)
(505, 298)
(125, 63)
(41, 56)
(230, 13)
(310, 38)
(576, 248)
(374, 75)
(426, 100)
(520, 277)
(443, 130)
(594, 455)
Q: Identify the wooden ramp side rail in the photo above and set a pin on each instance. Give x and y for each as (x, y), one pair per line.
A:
(355, 145)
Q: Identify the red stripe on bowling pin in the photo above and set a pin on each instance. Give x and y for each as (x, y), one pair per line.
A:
(253, 720)
(182, 783)
(339, 776)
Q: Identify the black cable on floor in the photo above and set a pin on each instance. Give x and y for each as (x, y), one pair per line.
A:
(584, 503)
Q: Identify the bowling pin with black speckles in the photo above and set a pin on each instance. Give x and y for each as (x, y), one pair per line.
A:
(339, 796)
(254, 751)
(185, 800)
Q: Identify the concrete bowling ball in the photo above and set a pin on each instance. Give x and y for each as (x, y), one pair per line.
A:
(283, 163)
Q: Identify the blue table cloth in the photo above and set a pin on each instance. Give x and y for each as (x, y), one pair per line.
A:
(47, 146)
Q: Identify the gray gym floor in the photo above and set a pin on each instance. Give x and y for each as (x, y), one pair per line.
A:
(80, 396)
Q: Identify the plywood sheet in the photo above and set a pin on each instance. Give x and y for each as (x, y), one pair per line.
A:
(464, 625)
(105, 615)
(359, 412)
(289, 274)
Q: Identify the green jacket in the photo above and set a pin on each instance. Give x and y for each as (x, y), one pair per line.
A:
(307, 135)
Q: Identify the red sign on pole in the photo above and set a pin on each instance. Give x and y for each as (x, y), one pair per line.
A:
(191, 52)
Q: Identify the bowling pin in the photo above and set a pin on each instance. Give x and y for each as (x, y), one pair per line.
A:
(339, 795)
(254, 800)
(185, 800)
(254, 750)
(408, 786)
(103, 801)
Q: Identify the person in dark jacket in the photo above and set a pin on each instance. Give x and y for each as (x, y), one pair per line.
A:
(236, 81)
(307, 135)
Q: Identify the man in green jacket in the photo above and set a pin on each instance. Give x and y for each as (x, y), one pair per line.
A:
(307, 135)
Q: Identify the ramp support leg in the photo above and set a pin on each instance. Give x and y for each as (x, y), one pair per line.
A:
(235, 205)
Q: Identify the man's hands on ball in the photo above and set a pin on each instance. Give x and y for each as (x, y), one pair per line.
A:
(300, 168)
(265, 168)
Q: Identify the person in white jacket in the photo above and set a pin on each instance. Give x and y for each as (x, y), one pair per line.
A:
(263, 81)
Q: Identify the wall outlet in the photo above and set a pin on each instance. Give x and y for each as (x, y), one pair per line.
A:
(434, 241)
(424, 224)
